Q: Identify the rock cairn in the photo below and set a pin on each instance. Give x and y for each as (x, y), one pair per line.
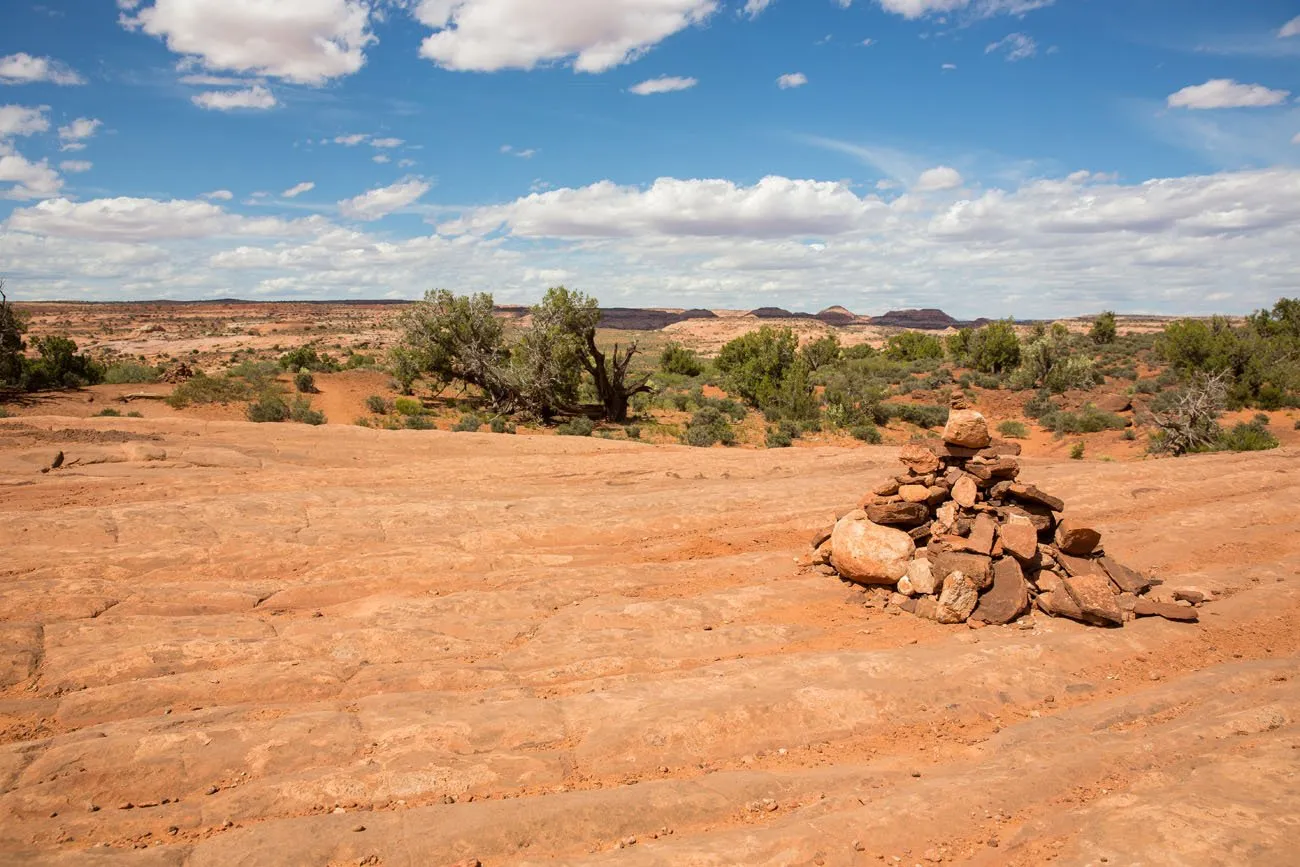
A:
(959, 538)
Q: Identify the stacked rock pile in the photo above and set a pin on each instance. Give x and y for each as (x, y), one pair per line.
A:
(958, 537)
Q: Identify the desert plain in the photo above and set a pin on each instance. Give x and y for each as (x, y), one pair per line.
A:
(224, 643)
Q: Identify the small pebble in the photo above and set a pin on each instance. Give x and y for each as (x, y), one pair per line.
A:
(359, 828)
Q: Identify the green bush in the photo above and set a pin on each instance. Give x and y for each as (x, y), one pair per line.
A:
(1015, 430)
(500, 425)
(1147, 386)
(920, 414)
(1249, 436)
(59, 365)
(1104, 329)
(4, 413)
(821, 352)
(417, 422)
(208, 389)
(708, 426)
(578, 426)
(306, 357)
(135, 414)
(267, 408)
(469, 423)
(1087, 420)
(914, 346)
(378, 405)
(995, 348)
(778, 438)
(109, 412)
(408, 406)
(1041, 404)
(304, 382)
(633, 431)
(1076, 451)
(867, 433)
(129, 373)
(756, 364)
(301, 412)
(677, 359)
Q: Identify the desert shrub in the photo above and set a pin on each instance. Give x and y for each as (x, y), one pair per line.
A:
(914, 346)
(920, 414)
(304, 382)
(1129, 434)
(4, 413)
(995, 348)
(260, 375)
(135, 414)
(1297, 424)
(578, 426)
(1190, 421)
(1089, 419)
(677, 359)
(306, 357)
(300, 411)
(500, 425)
(417, 422)
(755, 364)
(208, 389)
(469, 423)
(130, 372)
(267, 408)
(1251, 436)
(1147, 386)
(633, 431)
(378, 405)
(821, 352)
(357, 360)
(778, 439)
(708, 426)
(1013, 430)
(59, 365)
(867, 433)
(1076, 451)
(408, 406)
(1104, 329)
(108, 412)
(1051, 363)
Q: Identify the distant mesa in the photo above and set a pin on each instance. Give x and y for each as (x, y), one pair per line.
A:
(777, 313)
(642, 319)
(929, 319)
(837, 315)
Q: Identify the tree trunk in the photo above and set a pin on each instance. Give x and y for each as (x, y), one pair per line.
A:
(611, 385)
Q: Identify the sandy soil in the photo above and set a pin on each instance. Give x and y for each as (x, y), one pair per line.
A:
(228, 644)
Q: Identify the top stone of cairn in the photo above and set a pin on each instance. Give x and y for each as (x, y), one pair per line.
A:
(966, 428)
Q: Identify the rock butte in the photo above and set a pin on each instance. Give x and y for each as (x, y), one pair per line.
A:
(242, 644)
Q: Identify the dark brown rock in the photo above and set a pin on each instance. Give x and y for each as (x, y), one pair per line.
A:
(999, 491)
(999, 448)
(927, 607)
(988, 469)
(1057, 603)
(976, 567)
(1167, 610)
(1124, 578)
(1043, 518)
(951, 451)
(898, 514)
(821, 536)
(1007, 598)
(1095, 598)
(1076, 538)
(920, 534)
(1031, 494)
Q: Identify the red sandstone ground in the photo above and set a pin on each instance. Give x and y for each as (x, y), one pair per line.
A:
(235, 644)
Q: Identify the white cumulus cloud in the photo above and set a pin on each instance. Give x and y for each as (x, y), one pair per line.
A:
(386, 142)
(22, 120)
(774, 207)
(22, 68)
(791, 79)
(131, 219)
(73, 136)
(1289, 29)
(352, 140)
(663, 84)
(973, 8)
(305, 41)
(938, 178)
(1226, 93)
(298, 189)
(595, 35)
(377, 203)
(255, 97)
(754, 8)
(26, 179)
(218, 195)
(75, 166)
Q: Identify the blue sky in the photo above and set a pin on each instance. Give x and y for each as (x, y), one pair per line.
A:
(991, 157)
